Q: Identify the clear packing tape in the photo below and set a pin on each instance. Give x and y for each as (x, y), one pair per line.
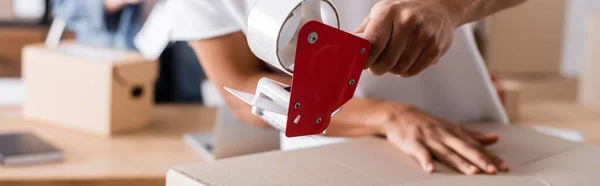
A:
(273, 27)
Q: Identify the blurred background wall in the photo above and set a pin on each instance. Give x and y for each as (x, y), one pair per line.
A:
(574, 40)
(21, 22)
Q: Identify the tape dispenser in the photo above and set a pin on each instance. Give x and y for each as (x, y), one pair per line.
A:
(303, 39)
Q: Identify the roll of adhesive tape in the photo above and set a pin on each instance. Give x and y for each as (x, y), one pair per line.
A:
(273, 27)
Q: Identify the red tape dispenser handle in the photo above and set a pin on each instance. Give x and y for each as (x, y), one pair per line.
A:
(327, 68)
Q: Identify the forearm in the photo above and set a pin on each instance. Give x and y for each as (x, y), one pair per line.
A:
(473, 10)
(359, 117)
(228, 62)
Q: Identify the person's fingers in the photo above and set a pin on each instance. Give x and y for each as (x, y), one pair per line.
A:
(461, 133)
(413, 50)
(392, 52)
(500, 164)
(378, 32)
(483, 138)
(469, 152)
(446, 155)
(436, 47)
(417, 150)
(425, 60)
(469, 140)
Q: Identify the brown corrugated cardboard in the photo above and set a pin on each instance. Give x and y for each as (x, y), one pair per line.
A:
(527, 38)
(536, 88)
(480, 180)
(535, 159)
(575, 167)
(6, 10)
(511, 98)
(97, 90)
(589, 87)
(563, 115)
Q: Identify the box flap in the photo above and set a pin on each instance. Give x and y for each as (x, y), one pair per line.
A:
(518, 146)
(130, 67)
(479, 180)
(372, 161)
(135, 73)
(575, 167)
(375, 158)
(279, 168)
(92, 52)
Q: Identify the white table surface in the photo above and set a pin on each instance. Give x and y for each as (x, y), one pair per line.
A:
(12, 91)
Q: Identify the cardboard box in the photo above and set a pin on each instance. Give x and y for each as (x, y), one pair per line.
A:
(527, 38)
(563, 115)
(510, 95)
(97, 90)
(534, 158)
(589, 87)
(536, 88)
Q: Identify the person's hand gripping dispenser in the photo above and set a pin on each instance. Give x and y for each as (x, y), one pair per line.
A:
(303, 39)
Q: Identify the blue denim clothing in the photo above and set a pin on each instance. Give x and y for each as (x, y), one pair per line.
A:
(92, 25)
(180, 73)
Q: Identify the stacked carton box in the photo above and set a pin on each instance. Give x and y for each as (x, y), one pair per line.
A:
(527, 38)
(535, 159)
(589, 91)
(537, 88)
(510, 95)
(524, 45)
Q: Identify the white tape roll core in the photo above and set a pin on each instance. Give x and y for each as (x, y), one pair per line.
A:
(273, 27)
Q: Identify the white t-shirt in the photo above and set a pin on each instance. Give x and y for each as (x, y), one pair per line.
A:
(202, 19)
(458, 88)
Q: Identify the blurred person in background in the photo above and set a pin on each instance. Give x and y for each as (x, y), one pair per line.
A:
(407, 36)
(115, 23)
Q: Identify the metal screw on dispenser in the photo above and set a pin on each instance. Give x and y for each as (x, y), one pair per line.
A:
(297, 105)
(363, 50)
(351, 82)
(319, 120)
(312, 37)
